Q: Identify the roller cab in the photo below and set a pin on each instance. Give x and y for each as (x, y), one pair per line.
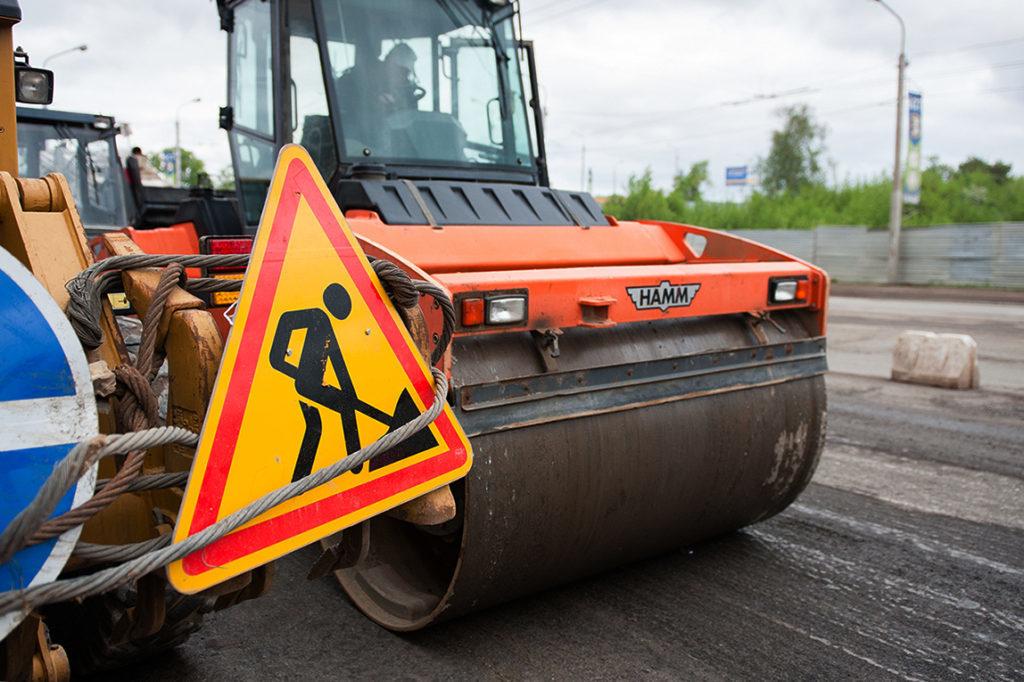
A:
(630, 387)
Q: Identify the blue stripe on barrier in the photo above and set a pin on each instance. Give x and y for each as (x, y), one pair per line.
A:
(20, 474)
(32, 362)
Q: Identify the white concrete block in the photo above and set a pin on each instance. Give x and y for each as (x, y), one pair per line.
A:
(946, 360)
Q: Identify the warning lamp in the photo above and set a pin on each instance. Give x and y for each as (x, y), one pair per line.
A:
(222, 246)
(472, 312)
(227, 245)
(506, 310)
(788, 290)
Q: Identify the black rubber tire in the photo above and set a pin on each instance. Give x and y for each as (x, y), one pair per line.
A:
(97, 632)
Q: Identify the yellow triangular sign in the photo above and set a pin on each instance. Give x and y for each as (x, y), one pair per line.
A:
(318, 364)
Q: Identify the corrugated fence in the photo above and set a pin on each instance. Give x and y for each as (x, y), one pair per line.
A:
(983, 254)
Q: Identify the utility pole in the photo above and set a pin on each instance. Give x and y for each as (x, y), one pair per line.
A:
(177, 140)
(583, 167)
(896, 202)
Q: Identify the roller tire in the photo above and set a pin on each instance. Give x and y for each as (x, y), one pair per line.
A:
(97, 632)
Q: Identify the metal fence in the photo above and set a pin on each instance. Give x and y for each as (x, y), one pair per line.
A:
(982, 254)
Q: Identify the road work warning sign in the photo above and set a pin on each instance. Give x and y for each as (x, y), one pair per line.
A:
(317, 365)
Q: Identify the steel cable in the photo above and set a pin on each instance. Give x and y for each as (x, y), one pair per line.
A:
(84, 310)
(74, 465)
(25, 600)
(85, 304)
(136, 408)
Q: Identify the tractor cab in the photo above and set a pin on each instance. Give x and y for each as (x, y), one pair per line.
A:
(82, 147)
(414, 109)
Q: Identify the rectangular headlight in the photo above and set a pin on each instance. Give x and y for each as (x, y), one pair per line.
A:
(506, 310)
(788, 290)
(785, 291)
(34, 86)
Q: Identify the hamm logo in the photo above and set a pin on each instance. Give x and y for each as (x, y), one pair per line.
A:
(663, 296)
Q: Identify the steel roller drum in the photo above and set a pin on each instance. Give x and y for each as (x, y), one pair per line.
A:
(639, 439)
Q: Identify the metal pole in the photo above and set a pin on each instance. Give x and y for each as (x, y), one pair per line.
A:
(177, 139)
(76, 48)
(177, 151)
(583, 167)
(896, 202)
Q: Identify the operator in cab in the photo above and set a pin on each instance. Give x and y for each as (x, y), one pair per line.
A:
(376, 89)
(399, 92)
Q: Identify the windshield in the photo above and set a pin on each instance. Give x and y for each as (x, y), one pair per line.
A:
(425, 82)
(88, 161)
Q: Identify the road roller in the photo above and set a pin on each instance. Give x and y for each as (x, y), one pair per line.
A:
(629, 387)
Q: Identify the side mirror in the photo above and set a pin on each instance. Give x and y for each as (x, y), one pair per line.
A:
(31, 85)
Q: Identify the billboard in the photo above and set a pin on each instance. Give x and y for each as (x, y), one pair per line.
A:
(912, 174)
(736, 175)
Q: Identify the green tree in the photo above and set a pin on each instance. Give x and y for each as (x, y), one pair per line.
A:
(191, 166)
(974, 192)
(999, 171)
(688, 187)
(794, 160)
(642, 200)
(225, 179)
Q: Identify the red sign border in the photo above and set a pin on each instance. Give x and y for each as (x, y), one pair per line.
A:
(299, 184)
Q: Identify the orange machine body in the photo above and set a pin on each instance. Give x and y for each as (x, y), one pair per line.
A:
(579, 276)
(573, 276)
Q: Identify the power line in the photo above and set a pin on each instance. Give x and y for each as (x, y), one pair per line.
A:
(657, 117)
(546, 7)
(729, 131)
(968, 48)
(568, 10)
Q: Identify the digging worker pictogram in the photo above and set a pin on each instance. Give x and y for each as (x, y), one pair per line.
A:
(320, 349)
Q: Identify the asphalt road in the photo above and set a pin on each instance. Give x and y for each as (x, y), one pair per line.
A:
(903, 559)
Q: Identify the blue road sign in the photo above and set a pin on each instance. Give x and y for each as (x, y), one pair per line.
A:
(46, 406)
(736, 175)
(912, 174)
(167, 160)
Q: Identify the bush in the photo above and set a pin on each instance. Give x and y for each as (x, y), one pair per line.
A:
(974, 192)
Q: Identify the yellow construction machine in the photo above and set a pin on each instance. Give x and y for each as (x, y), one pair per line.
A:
(41, 227)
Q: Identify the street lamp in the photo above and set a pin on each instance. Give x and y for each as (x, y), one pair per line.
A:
(76, 48)
(177, 139)
(896, 202)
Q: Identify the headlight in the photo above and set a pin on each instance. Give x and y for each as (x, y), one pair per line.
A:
(34, 86)
(788, 290)
(499, 308)
(506, 310)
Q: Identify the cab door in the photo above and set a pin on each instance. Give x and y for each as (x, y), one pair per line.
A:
(252, 117)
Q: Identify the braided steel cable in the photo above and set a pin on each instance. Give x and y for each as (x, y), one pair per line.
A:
(86, 291)
(74, 465)
(85, 304)
(136, 408)
(25, 600)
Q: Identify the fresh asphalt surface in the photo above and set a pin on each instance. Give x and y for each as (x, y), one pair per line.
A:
(903, 559)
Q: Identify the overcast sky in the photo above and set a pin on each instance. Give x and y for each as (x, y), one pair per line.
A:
(658, 83)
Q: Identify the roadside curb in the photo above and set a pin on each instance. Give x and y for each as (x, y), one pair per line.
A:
(926, 293)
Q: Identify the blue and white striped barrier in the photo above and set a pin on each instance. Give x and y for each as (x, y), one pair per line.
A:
(46, 406)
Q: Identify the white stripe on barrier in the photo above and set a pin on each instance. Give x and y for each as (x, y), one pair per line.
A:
(41, 422)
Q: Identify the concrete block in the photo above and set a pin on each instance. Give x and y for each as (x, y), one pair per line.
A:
(945, 360)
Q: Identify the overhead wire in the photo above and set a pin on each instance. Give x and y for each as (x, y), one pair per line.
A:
(567, 10)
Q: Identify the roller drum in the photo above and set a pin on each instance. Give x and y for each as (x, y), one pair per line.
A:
(637, 440)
